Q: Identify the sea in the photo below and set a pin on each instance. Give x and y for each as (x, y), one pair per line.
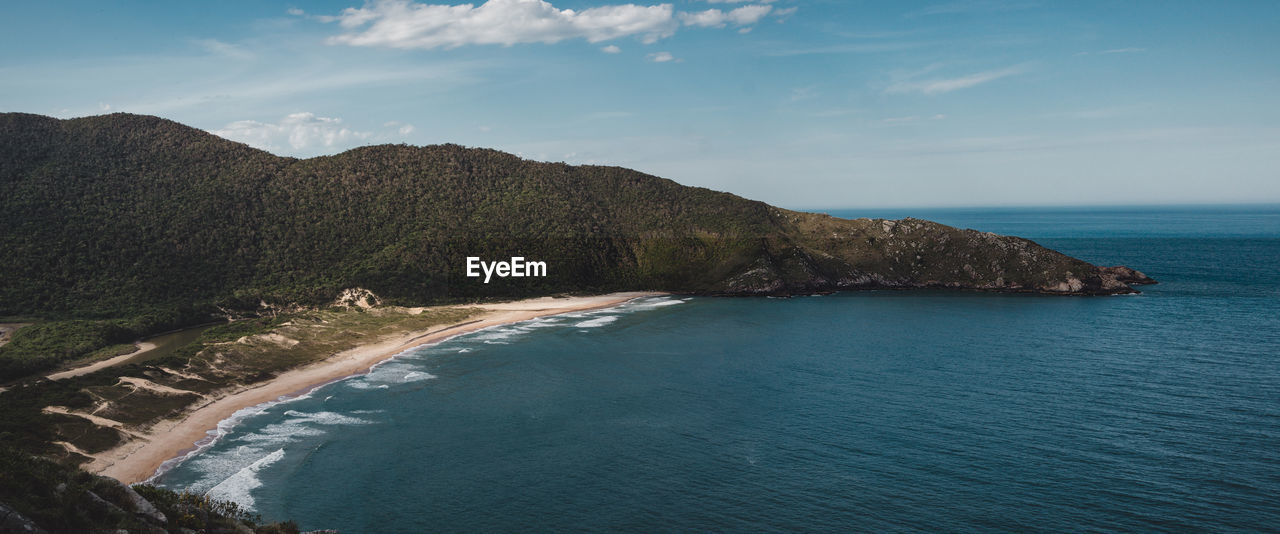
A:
(867, 411)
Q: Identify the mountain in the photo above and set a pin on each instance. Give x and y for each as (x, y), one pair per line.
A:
(119, 215)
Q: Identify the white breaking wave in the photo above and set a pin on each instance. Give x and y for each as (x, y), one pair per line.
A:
(417, 376)
(213, 436)
(400, 372)
(230, 473)
(597, 322)
(499, 333)
(238, 487)
(324, 418)
(651, 303)
(541, 322)
(279, 434)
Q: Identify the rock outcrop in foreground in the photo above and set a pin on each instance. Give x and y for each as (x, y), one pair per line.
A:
(39, 496)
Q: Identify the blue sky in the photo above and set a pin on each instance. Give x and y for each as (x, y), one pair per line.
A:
(803, 104)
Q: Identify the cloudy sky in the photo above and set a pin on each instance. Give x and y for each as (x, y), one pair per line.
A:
(806, 104)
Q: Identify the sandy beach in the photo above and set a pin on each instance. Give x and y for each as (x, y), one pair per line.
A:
(138, 459)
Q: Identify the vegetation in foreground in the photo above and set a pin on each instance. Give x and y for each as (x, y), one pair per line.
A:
(73, 419)
(50, 427)
(38, 492)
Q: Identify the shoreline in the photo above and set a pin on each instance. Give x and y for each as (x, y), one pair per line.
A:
(139, 459)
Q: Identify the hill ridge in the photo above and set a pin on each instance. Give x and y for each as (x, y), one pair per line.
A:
(112, 214)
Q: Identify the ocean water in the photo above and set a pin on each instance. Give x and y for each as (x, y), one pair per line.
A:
(867, 411)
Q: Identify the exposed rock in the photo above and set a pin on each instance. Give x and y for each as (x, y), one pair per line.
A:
(93, 502)
(913, 253)
(357, 298)
(142, 507)
(12, 521)
(1126, 275)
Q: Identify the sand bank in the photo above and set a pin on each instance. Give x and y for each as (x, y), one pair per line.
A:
(143, 347)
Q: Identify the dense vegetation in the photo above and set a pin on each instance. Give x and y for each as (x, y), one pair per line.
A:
(143, 219)
(49, 426)
(121, 226)
(59, 498)
(119, 214)
(223, 357)
(45, 345)
(122, 214)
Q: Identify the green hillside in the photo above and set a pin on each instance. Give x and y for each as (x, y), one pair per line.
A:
(148, 224)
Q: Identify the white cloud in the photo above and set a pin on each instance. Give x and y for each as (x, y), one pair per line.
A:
(739, 1)
(611, 49)
(946, 85)
(406, 24)
(742, 16)
(296, 133)
(661, 57)
(400, 127)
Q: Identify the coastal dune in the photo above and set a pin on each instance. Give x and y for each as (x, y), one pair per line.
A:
(139, 458)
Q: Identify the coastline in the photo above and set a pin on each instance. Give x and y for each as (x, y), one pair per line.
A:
(139, 458)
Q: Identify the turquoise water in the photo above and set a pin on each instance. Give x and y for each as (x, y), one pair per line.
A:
(870, 411)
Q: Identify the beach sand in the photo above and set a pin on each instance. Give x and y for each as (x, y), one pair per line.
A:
(143, 348)
(138, 459)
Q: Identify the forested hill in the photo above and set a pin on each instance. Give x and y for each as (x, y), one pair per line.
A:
(119, 215)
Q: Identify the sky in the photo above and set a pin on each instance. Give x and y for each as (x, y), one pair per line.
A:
(805, 104)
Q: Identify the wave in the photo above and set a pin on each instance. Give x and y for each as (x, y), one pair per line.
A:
(324, 418)
(231, 468)
(651, 303)
(498, 333)
(231, 472)
(224, 428)
(542, 322)
(597, 322)
(238, 487)
(398, 372)
(417, 376)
